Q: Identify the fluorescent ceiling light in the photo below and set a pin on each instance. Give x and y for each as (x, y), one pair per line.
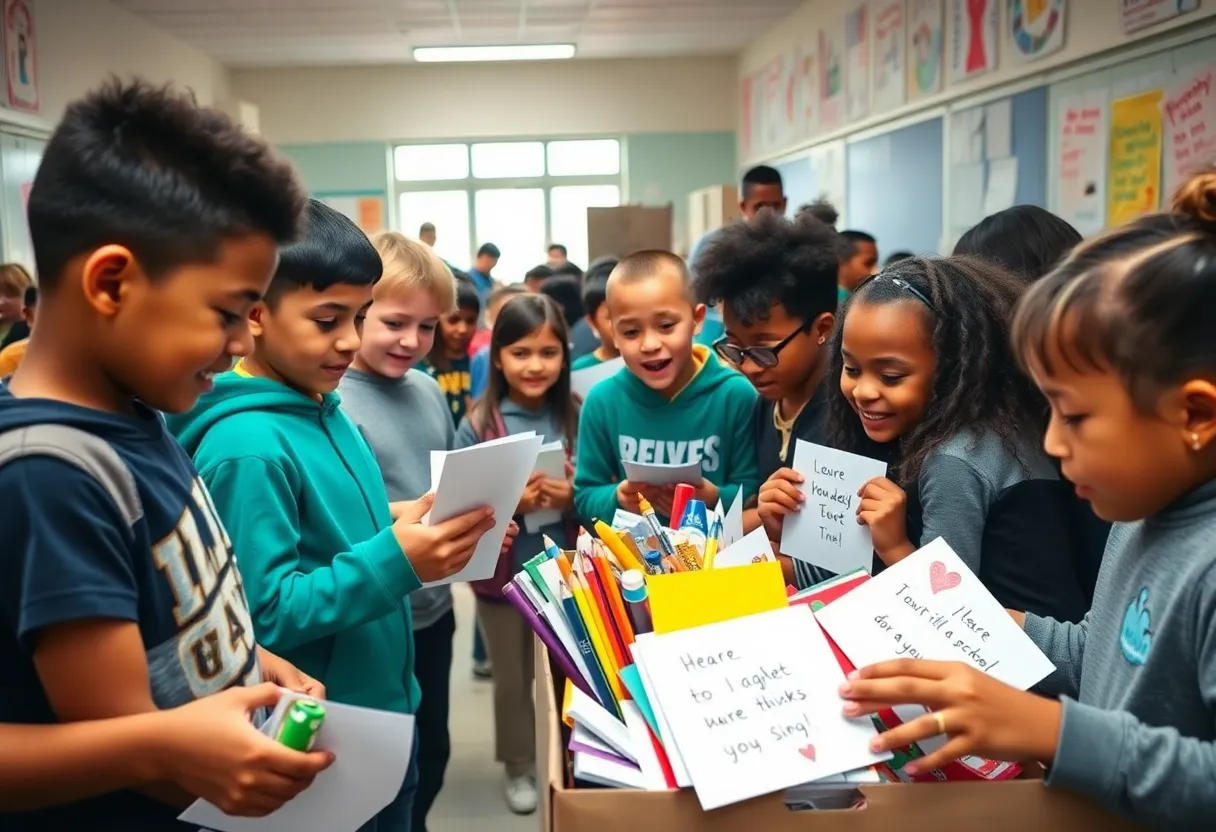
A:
(525, 52)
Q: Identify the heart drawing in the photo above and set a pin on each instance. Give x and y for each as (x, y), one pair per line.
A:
(808, 751)
(941, 579)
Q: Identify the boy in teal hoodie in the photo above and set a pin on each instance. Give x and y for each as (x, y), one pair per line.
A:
(673, 403)
(328, 563)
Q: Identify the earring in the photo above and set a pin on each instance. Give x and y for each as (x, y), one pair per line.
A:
(1196, 443)
(822, 340)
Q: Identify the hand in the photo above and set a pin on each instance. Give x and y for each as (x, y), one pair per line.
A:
(441, 550)
(780, 495)
(706, 492)
(419, 507)
(509, 538)
(884, 508)
(556, 494)
(286, 675)
(211, 749)
(981, 716)
(1018, 617)
(530, 500)
(660, 497)
(627, 495)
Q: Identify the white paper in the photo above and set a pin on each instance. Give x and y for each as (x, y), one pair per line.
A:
(552, 463)
(606, 772)
(931, 606)
(491, 474)
(998, 129)
(626, 519)
(648, 760)
(1002, 185)
(661, 473)
(581, 381)
(754, 714)
(751, 548)
(967, 195)
(371, 752)
(595, 718)
(732, 522)
(683, 778)
(825, 532)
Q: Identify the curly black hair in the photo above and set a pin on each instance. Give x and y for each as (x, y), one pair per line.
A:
(977, 384)
(752, 266)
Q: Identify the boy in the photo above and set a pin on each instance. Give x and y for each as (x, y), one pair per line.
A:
(10, 356)
(327, 563)
(533, 280)
(14, 280)
(449, 362)
(153, 222)
(594, 295)
(479, 364)
(776, 281)
(674, 403)
(480, 272)
(859, 261)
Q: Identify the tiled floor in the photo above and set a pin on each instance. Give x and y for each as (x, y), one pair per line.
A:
(472, 800)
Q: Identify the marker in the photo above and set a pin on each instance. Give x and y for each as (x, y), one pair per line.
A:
(683, 493)
(654, 562)
(633, 591)
(615, 545)
(301, 724)
(711, 543)
(656, 528)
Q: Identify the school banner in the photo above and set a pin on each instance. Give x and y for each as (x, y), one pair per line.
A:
(1082, 163)
(926, 45)
(1189, 112)
(889, 47)
(1133, 185)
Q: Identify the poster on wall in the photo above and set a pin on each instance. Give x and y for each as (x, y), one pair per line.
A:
(757, 128)
(1140, 14)
(926, 47)
(1133, 185)
(976, 26)
(806, 79)
(857, 71)
(1189, 114)
(1036, 27)
(745, 117)
(20, 56)
(889, 34)
(1082, 163)
(774, 104)
(828, 168)
(831, 75)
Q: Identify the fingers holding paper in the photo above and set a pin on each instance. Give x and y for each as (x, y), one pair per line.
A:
(780, 495)
(884, 508)
(530, 500)
(440, 551)
(659, 496)
(556, 494)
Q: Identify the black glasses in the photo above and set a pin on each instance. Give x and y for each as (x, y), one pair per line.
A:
(765, 357)
(902, 284)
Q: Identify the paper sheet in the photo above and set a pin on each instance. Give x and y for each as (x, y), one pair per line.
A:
(752, 548)
(681, 600)
(826, 532)
(732, 521)
(581, 381)
(967, 195)
(654, 473)
(683, 778)
(998, 129)
(492, 474)
(371, 749)
(552, 463)
(591, 715)
(1002, 185)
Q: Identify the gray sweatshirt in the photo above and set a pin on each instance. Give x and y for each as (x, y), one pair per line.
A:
(1138, 674)
(403, 420)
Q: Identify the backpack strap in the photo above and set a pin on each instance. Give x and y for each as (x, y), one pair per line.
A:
(86, 451)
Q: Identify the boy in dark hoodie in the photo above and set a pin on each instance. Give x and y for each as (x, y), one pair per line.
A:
(328, 563)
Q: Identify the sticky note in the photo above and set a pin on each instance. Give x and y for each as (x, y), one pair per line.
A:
(691, 599)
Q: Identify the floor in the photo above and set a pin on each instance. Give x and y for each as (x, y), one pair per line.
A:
(472, 792)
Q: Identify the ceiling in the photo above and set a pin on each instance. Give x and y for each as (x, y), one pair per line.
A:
(243, 33)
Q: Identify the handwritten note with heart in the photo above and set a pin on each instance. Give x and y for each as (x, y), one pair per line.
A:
(931, 606)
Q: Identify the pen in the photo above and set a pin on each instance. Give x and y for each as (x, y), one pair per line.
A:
(616, 546)
(711, 543)
(592, 625)
(656, 528)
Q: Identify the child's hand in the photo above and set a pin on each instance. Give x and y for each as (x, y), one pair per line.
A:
(660, 497)
(980, 715)
(530, 500)
(556, 494)
(508, 539)
(211, 749)
(440, 551)
(420, 506)
(627, 495)
(779, 496)
(286, 675)
(706, 492)
(884, 508)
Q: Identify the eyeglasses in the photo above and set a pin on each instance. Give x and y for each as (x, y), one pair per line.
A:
(902, 284)
(764, 357)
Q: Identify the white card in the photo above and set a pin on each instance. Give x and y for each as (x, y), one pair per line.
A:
(661, 473)
(753, 548)
(754, 705)
(825, 532)
(931, 606)
(683, 779)
(552, 463)
(732, 521)
(581, 381)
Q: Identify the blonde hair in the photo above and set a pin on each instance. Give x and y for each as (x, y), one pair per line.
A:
(14, 280)
(410, 266)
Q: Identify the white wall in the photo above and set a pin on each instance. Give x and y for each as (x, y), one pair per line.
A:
(551, 98)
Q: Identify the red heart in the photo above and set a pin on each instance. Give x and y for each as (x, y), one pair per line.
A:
(941, 579)
(808, 751)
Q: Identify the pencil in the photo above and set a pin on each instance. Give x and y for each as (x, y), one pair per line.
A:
(615, 605)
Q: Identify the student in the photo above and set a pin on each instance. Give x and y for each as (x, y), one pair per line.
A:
(594, 294)
(479, 348)
(427, 234)
(776, 281)
(1024, 239)
(558, 255)
(859, 261)
(677, 404)
(404, 416)
(328, 564)
(14, 281)
(1120, 339)
(529, 390)
(448, 361)
(568, 295)
(927, 381)
(534, 279)
(583, 338)
(10, 356)
(479, 273)
(116, 574)
(895, 256)
(821, 210)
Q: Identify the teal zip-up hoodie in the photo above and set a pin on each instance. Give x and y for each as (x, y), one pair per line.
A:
(622, 418)
(303, 500)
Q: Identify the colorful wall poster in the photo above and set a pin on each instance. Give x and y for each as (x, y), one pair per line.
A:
(926, 47)
(1134, 180)
(806, 75)
(21, 56)
(832, 46)
(746, 103)
(1082, 163)
(857, 71)
(1140, 14)
(976, 26)
(889, 55)
(1036, 27)
(1189, 112)
(774, 103)
(757, 113)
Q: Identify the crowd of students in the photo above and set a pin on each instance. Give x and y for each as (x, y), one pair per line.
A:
(215, 456)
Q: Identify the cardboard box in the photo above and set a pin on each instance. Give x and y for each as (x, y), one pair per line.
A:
(1014, 805)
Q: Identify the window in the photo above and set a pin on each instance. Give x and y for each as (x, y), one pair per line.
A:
(514, 220)
(431, 162)
(590, 157)
(568, 204)
(508, 160)
(448, 211)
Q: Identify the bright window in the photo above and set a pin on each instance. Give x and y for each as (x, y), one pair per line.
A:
(514, 220)
(448, 211)
(569, 204)
(508, 160)
(587, 157)
(431, 162)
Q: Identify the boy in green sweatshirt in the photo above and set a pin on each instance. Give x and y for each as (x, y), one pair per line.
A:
(676, 404)
(328, 563)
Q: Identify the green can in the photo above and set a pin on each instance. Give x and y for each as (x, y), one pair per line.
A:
(301, 724)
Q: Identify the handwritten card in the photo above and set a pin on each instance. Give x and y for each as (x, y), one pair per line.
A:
(581, 381)
(931, 606)
(753, 705)
(825, 532)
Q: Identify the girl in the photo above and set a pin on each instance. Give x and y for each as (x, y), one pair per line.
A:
(1120, 339)
(928, 382)
(528, 390)
(448, 362)
(1024, 239)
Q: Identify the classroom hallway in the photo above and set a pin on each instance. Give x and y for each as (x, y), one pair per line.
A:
(472, 797)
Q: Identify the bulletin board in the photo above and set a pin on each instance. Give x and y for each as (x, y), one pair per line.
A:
(364, 208)
(20, 156)
(894, 187)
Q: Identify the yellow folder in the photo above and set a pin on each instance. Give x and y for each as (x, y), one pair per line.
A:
(682, 600)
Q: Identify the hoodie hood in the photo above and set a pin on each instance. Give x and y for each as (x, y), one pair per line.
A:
(22, 412)
(709, 376)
